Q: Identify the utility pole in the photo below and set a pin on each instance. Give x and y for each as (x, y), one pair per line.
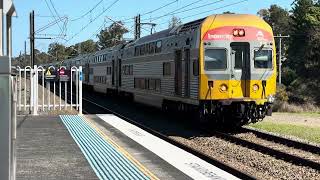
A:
(280, 54)
(32, 56)
(25, 52)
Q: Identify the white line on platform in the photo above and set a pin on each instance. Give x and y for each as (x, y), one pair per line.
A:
(186, 162)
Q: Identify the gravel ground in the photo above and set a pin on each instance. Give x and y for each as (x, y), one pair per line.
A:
(290, 150)
(255, 163)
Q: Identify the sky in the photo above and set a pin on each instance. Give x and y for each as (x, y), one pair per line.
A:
(78, 23)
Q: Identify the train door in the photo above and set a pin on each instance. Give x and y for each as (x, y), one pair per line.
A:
(119, 72)
(241, 65)
(187, 73)
(87, 72)
(178, 72)
(112, 73)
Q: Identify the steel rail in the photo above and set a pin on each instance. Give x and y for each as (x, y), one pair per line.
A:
(282, 140)
(267, 150)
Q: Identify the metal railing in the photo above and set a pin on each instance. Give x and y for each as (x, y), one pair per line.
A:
(31, 81)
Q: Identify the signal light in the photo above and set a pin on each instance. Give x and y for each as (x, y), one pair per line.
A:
(239, 32)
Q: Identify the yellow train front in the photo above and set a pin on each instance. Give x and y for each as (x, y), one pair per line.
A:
(237, 69)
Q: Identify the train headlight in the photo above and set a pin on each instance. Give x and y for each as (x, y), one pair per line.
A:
(223, 87)
(242, 32)
(235, 32)
(255, 87)
(239, 32)
(271, 98)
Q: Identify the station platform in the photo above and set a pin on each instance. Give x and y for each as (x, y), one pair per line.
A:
(101, 147)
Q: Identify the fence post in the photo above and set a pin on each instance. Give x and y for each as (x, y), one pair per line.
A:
(14, 124)
(34, 85)
(80, 90)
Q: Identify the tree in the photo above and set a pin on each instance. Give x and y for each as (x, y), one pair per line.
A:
(300, 32)
(84, 47)
(174, 22)
(112, 35)
(312, 64)
(58, 50)
(42, 58)
(277, 17)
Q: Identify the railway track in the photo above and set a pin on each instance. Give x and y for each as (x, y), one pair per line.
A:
(197, 153)
(282, 140)
(91, 105)
(294, 159)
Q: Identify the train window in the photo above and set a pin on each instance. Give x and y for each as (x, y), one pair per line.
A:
(131, 69)
(238, 59)
(140, 83)
(152, 47)
(158, 84)
(215, 59)
(263, 59)
(147, 48)
(108, 70)
(136, 51)
(158, 46)
(142, 50)
(128, 70)
(152, 84)
(195, 68)
(167, 69)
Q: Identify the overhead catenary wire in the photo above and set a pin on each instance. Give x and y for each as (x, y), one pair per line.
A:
(204, 12)
(186, 10)
(55, 10)
(83, 28)
(185, 6)
(53, 15)
(152, 11)
(85, 14)
(47, 26)
(99, 29)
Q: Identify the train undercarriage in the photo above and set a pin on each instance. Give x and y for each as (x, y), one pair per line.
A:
(235, 113)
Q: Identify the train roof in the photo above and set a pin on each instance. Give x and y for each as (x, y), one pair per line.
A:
(190, 26)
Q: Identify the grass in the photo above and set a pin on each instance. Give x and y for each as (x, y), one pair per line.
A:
(311, 134)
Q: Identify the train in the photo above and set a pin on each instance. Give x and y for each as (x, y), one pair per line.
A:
(221, 67)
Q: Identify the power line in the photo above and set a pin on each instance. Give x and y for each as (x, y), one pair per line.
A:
(55, 10)
(61, 31)
(231, 4)
(190, 4)
(99, 29)
(235, 3)
(95, 6)
(174, 12)
(152, 11)
(83, 28)
(48, 25)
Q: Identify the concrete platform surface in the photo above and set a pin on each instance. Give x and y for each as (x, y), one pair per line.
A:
(45, 150)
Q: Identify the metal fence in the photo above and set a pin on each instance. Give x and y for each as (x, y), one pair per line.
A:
(41, 89)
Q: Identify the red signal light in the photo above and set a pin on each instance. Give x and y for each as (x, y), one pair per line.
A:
(239, 32)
